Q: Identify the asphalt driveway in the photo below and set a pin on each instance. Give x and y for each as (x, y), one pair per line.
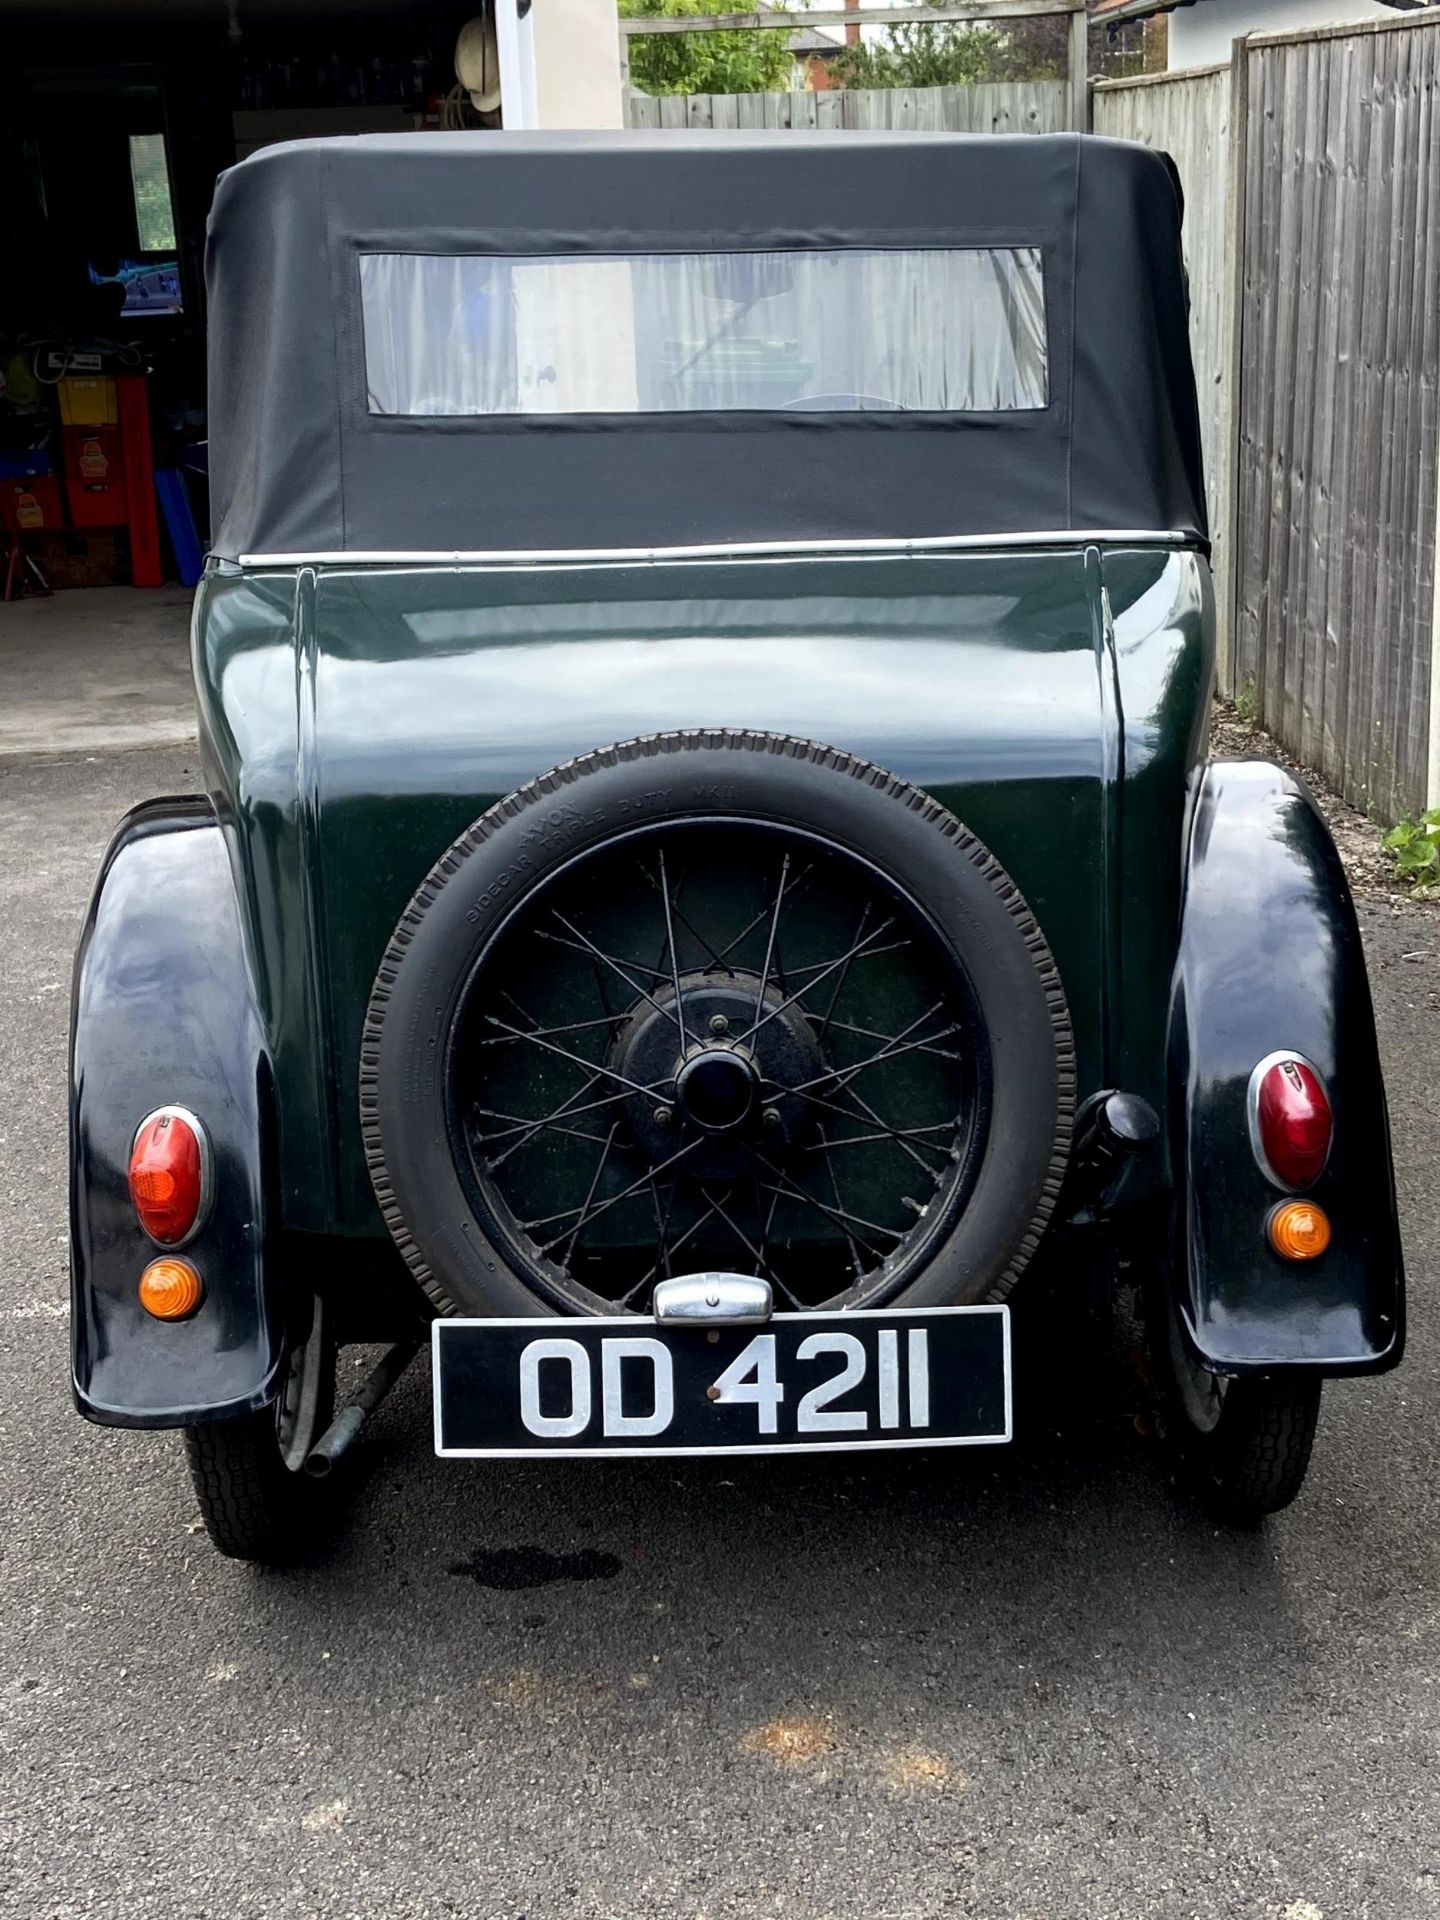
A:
(1032, 1684)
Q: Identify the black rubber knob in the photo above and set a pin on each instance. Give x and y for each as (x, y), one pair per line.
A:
(1126, 1123)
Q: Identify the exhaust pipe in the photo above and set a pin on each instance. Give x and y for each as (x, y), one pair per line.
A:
(344, 1430)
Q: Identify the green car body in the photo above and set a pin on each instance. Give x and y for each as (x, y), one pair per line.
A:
(355, 721)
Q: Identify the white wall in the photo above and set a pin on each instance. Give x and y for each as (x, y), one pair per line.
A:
(1200, 35)
(577, 63)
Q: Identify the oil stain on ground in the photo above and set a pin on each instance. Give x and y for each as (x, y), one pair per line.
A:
(510, 1569)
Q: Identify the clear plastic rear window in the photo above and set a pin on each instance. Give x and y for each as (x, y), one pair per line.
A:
(934, 330)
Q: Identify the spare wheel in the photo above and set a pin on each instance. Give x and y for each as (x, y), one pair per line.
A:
(716, 1001)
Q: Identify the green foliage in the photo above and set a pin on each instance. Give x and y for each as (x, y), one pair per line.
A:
(150, 181)
(921, 53)
(1414, 846)
(758, 62)
(1247, 704)
(154, 218)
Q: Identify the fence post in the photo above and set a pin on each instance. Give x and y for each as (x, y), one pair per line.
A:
(1432, 777)
(1227, 585)
(1079, 75)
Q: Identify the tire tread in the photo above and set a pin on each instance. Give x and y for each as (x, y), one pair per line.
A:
(253, 1507)
(1256, 1461)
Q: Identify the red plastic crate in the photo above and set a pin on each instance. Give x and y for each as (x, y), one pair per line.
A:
(32, 505)
(145, 565)
(95, 476)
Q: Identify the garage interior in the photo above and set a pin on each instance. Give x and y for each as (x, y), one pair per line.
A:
(116, 116)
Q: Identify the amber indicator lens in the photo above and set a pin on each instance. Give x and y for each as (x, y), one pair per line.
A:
(1299, 1230)
(1292, 1115)
(167, 1177)
(170, 1289)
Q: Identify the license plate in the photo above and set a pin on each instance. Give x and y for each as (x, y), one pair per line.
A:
(584, 1389)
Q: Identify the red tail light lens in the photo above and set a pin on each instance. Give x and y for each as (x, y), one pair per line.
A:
(1290, 1120)
(170, 1175)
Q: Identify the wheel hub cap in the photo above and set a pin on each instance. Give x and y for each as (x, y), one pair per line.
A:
(716, 1088)
(725, 1069)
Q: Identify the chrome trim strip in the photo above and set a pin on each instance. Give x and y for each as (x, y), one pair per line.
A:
(733, 550)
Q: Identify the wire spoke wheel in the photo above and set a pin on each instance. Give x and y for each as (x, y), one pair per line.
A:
(727, 1002)
(717, 1044)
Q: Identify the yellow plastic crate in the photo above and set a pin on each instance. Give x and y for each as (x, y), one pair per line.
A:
(88, 400)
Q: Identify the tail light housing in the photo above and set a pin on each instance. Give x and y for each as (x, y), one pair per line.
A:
(1290, 1121)
(170, 1176)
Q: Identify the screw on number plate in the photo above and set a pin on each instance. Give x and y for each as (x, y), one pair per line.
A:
(712, 1393)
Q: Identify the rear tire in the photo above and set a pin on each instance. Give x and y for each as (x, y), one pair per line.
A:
(1241, 1446)
(1255, 1461)
(255, 1498)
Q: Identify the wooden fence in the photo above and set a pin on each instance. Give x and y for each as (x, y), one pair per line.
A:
(1339, 323)
(1031, 106)
(1311, 168)
(1187, 115)
(1312, 179)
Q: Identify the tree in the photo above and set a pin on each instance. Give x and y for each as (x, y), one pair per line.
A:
(924, 53)
(756, 62)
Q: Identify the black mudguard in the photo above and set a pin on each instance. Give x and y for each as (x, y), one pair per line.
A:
(1270, 958)
(163, 1014)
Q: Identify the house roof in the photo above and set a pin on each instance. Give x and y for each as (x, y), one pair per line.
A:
(1112, 12)
(811, 40)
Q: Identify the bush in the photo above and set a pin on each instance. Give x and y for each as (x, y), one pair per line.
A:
(758, 62)
(921, 53)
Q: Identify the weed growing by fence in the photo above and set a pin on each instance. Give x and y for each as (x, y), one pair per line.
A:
(1414, 845)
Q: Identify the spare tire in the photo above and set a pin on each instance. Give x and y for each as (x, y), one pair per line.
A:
(716, 1000)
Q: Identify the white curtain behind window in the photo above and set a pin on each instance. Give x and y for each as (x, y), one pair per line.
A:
(959, 330)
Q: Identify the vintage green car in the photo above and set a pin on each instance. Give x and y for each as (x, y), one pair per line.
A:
(709, 878)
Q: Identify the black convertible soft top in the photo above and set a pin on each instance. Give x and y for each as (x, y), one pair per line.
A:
(306, 461)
